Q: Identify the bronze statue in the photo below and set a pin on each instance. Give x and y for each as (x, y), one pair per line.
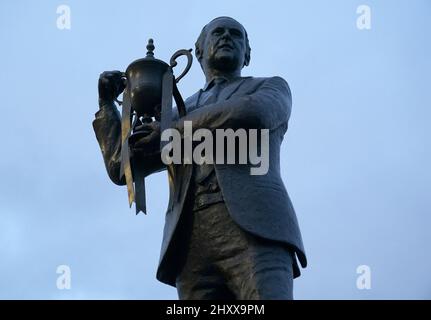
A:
(228, 234)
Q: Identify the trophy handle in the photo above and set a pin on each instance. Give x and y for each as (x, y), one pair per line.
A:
(173, 62)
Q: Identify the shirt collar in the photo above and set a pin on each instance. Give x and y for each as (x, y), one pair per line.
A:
(222, 79)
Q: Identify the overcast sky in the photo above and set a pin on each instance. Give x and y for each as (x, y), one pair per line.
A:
(355, 159)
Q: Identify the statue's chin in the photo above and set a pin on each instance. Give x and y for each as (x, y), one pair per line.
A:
(224, 63)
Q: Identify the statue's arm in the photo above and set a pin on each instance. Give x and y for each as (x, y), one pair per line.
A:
(267, 107)
(107, 127)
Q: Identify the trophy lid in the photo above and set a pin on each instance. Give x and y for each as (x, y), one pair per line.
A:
(150, 48)
(149, 58)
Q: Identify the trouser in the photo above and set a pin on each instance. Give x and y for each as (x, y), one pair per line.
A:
(225, 262)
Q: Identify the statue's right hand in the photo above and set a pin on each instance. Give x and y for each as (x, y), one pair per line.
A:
(111, 85)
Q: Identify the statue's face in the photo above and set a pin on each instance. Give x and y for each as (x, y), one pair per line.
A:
(225, 45)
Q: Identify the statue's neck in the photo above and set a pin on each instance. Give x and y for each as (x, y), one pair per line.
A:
(213, 73)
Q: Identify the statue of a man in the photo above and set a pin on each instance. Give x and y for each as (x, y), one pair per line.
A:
(228, 234)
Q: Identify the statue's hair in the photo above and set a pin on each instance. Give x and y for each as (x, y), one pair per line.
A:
(202, 36)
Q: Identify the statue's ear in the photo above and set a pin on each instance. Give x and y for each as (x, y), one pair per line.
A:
(247, 58)
(198, 54)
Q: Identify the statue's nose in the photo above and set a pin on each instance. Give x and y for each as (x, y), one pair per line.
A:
(226, 35)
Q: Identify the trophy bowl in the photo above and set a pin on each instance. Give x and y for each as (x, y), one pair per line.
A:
(144, 78)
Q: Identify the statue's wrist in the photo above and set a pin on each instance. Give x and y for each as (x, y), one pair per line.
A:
(105, 103)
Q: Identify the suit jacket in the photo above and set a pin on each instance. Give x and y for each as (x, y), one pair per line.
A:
(259, 204)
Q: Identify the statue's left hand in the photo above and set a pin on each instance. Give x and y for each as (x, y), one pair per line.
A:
(110, 85)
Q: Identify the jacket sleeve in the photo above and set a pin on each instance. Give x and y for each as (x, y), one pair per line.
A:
(107, 127)
(267, 107)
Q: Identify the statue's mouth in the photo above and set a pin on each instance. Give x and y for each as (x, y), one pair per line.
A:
(225, 46)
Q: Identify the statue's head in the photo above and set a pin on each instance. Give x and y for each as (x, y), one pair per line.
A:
(223, 46)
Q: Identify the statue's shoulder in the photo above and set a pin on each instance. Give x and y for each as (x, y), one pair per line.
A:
(191, 101)
(261, 80)
(277, 82)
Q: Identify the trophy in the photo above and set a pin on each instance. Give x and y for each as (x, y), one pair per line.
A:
(150, 86)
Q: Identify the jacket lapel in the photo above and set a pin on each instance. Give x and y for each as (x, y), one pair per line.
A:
(227, 92)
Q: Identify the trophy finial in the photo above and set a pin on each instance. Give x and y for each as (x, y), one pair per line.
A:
(150, 48)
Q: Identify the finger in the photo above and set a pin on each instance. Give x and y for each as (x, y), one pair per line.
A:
(141, 133)
(145, 140)
(111, 74)
(123, 83)
(144, 126)
(117, 75)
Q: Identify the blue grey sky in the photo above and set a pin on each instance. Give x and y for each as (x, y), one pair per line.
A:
(355, 159)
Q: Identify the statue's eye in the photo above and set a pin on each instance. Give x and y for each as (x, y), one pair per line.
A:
(236, 33)
(217, 32)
